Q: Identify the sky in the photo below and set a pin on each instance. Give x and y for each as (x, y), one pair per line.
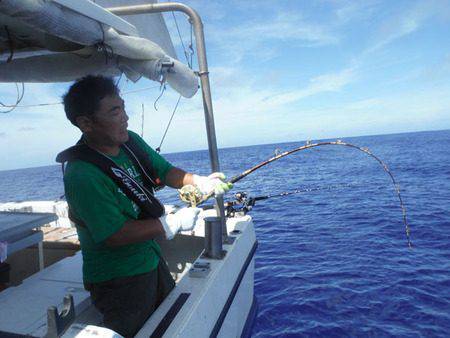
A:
(280, 71)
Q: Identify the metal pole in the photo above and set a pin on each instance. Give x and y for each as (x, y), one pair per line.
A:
(203, 73)
(213, 238)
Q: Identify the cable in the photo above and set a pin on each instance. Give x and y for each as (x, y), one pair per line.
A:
(34, 105)
(158, 149)
(11, 45)
(181, 39)
(163, 89)
(118, 80)
(191, 48)
(139, 90)
(19, 98)
(57, 103)
(103, 47)
(142, 121)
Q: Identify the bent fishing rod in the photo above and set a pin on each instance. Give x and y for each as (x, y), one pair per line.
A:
(189, 194)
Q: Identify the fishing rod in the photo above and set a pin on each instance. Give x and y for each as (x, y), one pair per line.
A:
(191, 195)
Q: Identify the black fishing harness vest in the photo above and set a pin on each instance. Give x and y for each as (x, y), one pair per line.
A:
(141, 194)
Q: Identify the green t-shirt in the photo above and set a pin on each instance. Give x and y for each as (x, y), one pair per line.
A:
(96, 200)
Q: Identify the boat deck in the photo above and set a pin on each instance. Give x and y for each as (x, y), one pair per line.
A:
(194, 296)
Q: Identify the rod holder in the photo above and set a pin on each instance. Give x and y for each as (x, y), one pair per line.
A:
(57, 323)
(213, 238)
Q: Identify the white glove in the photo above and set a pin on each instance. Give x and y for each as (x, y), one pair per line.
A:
(212, 183)
(183, 219)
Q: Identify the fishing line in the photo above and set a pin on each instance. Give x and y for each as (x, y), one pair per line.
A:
(190, 195)
(245, 203)
(241, 196)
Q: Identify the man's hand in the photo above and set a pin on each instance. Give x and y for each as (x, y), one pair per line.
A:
(212, 183)
(183, 219)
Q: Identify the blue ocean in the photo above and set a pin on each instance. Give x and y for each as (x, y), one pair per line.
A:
(332, 262)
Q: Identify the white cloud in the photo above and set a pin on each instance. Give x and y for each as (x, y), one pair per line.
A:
(323, 83)
(439, 71)
(247, 116)
(285, 26)
(407, 21)
(223, 76)
(210, 10)
(348, 10)
(407, 111)
(256, 37)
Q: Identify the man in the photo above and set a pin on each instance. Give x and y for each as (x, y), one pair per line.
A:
(107, 189)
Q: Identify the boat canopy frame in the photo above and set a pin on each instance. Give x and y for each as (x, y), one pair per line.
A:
(203, 73)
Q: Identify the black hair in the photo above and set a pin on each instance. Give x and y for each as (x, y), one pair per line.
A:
(84, 96)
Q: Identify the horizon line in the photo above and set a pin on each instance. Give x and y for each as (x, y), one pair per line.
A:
(262, 144)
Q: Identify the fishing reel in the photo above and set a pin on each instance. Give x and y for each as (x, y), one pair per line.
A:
(242, 204)
(191, 195)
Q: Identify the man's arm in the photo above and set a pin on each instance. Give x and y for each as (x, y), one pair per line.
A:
(135, 231)
(177, 178)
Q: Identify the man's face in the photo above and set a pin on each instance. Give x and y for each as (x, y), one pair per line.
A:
(109, 122)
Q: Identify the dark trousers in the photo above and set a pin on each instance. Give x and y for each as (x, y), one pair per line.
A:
(127, 302)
